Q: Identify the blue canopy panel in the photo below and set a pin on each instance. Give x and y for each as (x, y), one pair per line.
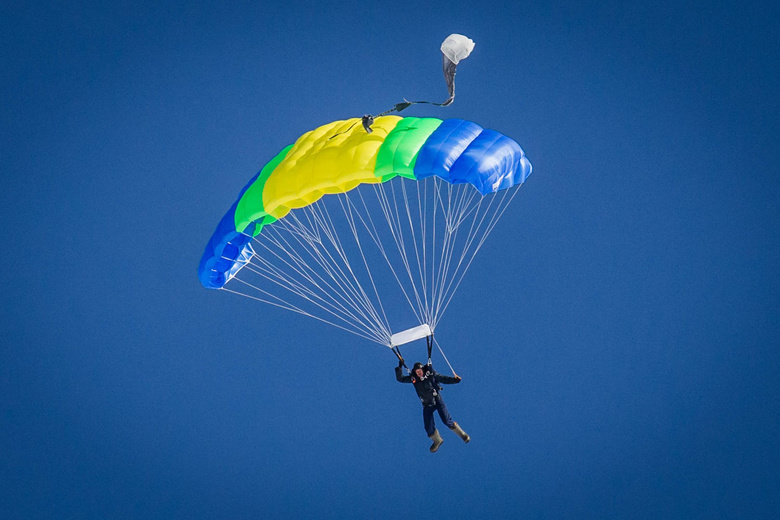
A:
(461, 152)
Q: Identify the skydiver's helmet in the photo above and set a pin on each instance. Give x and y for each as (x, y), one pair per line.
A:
(418, 365)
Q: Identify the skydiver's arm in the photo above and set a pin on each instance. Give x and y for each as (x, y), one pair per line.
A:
(400, 377)
(446, 380)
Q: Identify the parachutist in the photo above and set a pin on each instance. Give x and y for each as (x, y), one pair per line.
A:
(426, 383)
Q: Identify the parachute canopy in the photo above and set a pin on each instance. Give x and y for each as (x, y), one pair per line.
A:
(364, 211)
(337, 157)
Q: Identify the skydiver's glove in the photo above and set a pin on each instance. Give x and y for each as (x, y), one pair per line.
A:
(457, 379)
(400, 362)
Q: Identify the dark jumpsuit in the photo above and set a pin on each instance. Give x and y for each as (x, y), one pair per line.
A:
(429, 392)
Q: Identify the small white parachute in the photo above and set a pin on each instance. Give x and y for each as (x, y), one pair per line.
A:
(457, 47)
(454, 48)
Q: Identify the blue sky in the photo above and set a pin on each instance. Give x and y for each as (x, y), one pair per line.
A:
(617, 336)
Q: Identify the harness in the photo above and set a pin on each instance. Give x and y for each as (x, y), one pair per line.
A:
(428, 374)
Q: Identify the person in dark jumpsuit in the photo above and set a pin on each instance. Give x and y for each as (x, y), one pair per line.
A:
(426, 382)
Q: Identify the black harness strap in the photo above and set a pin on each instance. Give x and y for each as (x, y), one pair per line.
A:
(397, 353)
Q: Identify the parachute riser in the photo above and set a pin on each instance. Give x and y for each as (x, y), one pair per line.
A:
(413, 334)
(397, 353)
(409, 335)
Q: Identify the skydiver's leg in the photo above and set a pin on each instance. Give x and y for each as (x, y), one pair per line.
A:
(430, 426)
(452, 425)
(444, 414)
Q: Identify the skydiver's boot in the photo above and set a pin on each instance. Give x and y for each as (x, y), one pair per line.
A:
(463, 435)
(437, 440)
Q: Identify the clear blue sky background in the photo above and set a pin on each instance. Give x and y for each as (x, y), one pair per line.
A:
(618, 336)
